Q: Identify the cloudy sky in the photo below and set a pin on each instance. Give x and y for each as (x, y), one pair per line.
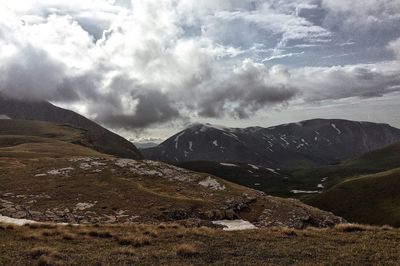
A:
(147, 68)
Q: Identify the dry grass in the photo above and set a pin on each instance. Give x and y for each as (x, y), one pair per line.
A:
(348, 228)
(68, 236)
(288, 231)
(41, 226)
(100, 234)
(124, 251)
(46, 256)
(186, 251)
(136, 241)
(201, 246)
(49, 261)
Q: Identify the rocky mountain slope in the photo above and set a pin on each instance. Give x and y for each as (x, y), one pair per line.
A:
(307, 143)
(101, 139)
(45, 176)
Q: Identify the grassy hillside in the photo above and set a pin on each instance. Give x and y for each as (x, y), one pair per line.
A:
(46, 176)
(172, 244)
(382, 159)
(371, 199)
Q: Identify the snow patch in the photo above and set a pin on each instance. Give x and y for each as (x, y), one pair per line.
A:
(235, 225)
(4, 117)
(177, 140)
(228, 164)
(296, 191)
(13, 221)
(254, 167)
(191, 145)
(272, 170)
(338, 130)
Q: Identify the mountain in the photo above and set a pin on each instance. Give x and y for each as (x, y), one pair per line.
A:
(308, 143)
(47, 174)
(101, 139)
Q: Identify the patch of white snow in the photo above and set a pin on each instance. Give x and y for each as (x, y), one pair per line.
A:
(235, 225)
(228, 164)
(338, 130)
(13, 221)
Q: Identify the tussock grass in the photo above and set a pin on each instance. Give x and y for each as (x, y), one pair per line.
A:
(186, 251)
(162, 226)
(100, 234)
(202, 246)
(151, 232)
(51, 233)
(288, 231)
(31, 236)
(349, 228)
(136, 241)
(68, 236)
(41, 226)
(49, 261)
(124, 251)
(36, 252)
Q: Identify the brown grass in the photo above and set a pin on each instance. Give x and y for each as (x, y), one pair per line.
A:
(124, 251)
(100, 234)
(349, 228)
(68, 236)
(136, 241)
(49, 261)
(186, 251)
(202, 246)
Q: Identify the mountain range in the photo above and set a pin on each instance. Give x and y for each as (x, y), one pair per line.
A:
(308, 143)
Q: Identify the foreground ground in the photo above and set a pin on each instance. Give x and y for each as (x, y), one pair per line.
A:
(173, 244)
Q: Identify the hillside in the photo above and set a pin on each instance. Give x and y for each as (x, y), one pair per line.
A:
(101, 139)
(295, 182)
(46, 176)
(371, 199)
(304, 144)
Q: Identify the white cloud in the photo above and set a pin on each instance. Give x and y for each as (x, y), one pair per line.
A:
(137, 63)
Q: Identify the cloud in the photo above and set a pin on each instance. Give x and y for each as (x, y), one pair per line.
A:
(250, 87)
(137, 64)
(395, 47)
(274, 57)
(341, 82)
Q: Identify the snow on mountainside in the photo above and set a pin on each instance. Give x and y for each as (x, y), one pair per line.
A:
(312, 142)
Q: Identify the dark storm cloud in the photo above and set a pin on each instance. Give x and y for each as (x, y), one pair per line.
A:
(250, 88)
(32, 74)
(137, 64)
(129, 105)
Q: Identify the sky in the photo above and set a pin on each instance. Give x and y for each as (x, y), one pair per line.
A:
(148, 68)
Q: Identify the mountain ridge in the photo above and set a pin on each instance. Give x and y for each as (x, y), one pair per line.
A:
(309, 142)
(102, 139)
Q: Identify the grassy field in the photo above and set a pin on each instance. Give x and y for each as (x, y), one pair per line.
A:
(171, 244)
(371, 199)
